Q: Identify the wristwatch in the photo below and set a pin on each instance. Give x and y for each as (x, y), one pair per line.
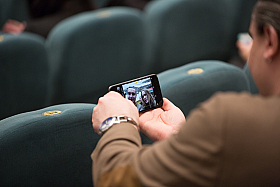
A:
(109, 122)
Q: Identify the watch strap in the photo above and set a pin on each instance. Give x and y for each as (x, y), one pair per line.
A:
(118, 120)
(126, 119)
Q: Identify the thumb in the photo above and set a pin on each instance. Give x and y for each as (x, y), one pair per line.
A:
(167, 105)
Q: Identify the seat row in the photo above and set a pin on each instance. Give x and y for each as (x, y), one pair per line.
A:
(52, 146)
(86, 53)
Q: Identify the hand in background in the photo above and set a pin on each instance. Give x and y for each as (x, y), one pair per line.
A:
(14, 27)
(113, 104)
(244, 47)
(159, 124)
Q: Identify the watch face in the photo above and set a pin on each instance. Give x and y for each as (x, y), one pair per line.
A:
(106, 124)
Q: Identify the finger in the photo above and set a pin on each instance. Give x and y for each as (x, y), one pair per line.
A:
(95, 122)
(118, 96)
(111, 97)
(167, 105)
(9, 27)
(14, 22)
(143, 117)
(238, 44)
(114, 95)
(100, 100)
(149, 116)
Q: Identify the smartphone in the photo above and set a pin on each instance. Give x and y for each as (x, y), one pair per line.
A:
(245, 38)
(144, 92)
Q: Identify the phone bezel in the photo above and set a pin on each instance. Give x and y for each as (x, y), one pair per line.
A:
(156, 89)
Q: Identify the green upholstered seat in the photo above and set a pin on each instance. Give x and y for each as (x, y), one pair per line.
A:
(24, 73)
(191, 84)
(184, 31)
(100, 3)
(242, 12)
(92, 50)
(253, 87)
(48, 147)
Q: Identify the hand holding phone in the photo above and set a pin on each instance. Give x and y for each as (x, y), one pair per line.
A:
(112, 104)
(144, 92)
(244, 45)
(244, 38)
(160, 123)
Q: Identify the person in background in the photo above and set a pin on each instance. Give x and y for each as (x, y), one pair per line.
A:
(232, 139)
(244, 45)
(44, 15)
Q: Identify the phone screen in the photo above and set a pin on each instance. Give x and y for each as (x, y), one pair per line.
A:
(245, 38)
(144, 92)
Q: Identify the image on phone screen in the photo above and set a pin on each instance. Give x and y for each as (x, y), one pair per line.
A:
(144, 92)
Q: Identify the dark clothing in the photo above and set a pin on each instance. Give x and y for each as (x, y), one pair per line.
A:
(45, 16)
(139, 4)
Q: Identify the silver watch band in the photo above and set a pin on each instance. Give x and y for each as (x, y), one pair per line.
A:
(109, 122)
(126, 119)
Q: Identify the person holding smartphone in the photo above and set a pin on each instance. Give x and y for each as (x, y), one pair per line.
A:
(232, 139)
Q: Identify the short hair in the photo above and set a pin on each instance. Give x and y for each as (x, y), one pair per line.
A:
(131, 88)
(267, 12)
